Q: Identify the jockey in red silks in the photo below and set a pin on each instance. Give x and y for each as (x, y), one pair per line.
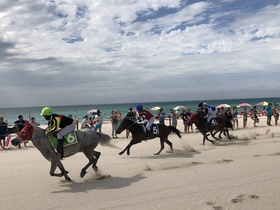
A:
(145, 115)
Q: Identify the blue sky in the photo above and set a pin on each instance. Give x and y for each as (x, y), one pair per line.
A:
(94, 52)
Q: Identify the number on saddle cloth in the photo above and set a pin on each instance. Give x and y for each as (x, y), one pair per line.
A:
(154, 129)
(213, 121)
(69, 139)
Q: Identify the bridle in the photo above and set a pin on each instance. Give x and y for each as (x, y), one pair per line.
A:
(26, 132)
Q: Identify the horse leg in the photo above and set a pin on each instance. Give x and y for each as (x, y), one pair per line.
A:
(206, 137)
(92, 157)
(220, 134)
(170, 144)
(96, 157)
(228, 134)
(132, 142)
(54, 165)
(161, 146)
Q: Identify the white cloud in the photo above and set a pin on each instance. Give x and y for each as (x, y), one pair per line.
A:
(125, 51)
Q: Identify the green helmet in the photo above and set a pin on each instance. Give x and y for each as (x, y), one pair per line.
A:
(47, 111)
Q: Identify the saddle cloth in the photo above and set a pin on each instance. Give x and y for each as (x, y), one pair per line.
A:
(154, 128)
(69, 139)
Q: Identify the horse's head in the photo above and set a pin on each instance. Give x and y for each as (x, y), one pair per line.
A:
(26, 133)
(125, 124)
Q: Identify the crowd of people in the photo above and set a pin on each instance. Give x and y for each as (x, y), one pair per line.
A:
(67, 124)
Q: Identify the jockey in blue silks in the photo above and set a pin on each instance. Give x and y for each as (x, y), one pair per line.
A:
(209, 112)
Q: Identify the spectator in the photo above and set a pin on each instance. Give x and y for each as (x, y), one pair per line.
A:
(245, 116)
(185, 117)
(85, 122)
(268, 111)
(98, 121)
(234, 117)
(33, 122)
(19, 123)
(161, 116)
(173, 116)
(3, 132)
(276, 113)
(114, 121)
(255, 116)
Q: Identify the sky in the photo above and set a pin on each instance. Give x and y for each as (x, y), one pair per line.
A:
(55, 52)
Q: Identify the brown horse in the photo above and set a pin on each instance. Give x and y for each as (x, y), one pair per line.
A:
(138, 134)
(221, 126)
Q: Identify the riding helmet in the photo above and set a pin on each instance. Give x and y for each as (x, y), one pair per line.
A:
(47, 111)
(139, 107)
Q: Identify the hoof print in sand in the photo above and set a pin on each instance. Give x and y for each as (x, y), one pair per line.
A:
(243, 197)
(214, 206)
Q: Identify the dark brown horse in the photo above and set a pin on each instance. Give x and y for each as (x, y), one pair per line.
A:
(221, 125)
(138, 134)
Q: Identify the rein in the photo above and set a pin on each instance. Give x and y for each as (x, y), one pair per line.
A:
(129, 126)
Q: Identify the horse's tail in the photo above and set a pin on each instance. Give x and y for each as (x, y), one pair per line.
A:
(175, 130)
(105, 140)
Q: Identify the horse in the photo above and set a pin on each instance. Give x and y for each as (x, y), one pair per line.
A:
(88, 139)
(138, 134)
(221, 125)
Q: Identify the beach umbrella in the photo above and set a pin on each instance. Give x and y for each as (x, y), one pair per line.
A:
(177, 108)
(223, 105)
(243, 105)
(262, 103)
(92, 111)
(155, 108)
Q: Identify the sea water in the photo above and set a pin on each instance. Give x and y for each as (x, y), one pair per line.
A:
(79, 111)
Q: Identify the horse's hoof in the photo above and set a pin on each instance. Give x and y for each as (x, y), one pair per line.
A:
(82, 174)
(68, 179)
(95, 168)
(120, 153)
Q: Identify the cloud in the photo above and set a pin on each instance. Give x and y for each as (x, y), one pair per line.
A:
(80, 52)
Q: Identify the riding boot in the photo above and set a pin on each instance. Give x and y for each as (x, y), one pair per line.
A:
(60, 147)
(208, 125)
(148, 133)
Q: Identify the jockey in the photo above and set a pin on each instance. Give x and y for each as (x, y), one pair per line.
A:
(56, 122)
(145, 115)
(209, 112)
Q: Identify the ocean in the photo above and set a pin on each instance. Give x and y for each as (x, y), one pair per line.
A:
(79, 111)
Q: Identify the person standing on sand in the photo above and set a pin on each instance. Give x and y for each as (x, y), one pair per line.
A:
(3, 132)
(255, 116)
(98, 121)
(235, 117)
(268, 114)
(276, 113)
(245, 117)
(114, 121)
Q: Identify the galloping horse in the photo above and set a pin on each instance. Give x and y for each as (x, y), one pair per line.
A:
(88, 139)
(138, 134)
(221, 125)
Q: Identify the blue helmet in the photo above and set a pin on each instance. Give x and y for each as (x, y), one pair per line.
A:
(139, 107)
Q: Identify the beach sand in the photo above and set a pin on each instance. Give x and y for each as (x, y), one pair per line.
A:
(238, 174)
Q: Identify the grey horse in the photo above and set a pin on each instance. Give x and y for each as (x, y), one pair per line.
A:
(88, 139)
